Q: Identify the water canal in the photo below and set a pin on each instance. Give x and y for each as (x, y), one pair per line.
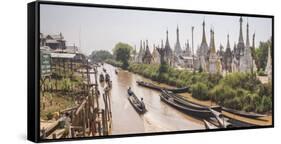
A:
(160, 117)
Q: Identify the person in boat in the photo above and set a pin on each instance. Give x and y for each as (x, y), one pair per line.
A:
(142, 103)
(130, 91)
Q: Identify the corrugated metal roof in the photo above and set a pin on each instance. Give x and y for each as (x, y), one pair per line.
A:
(62, 55)
(51, 41)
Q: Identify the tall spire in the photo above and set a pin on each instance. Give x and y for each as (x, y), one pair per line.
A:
(188, 51)
(247, 36)
(177, 33)
(241, 31)
(144, 45)
(227, 45)
(240, 45)
(167, 45)
(253, 46)
(204, 35)
(178, 50)
(212, 42)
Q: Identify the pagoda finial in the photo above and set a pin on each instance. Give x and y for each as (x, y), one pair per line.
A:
(241, 31)
(204, 35)
(247, 35)
(212, 41)
(177, 33)
(227, 45)
(203, 22)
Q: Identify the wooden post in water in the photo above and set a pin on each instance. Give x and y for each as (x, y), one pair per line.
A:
(54, 136)
(99, 128)
(84, 122)
(104, 121)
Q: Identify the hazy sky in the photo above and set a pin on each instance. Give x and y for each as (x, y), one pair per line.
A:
(100, 28)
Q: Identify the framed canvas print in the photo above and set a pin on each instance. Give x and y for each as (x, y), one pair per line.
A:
(103, 71)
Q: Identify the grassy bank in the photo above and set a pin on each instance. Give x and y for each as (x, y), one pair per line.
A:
(52, 103)
(59, 92)
(240, 91)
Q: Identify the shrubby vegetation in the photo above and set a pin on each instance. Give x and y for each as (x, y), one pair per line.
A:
(240, 91)
(114, 62)
(243, 91)
(200, 91)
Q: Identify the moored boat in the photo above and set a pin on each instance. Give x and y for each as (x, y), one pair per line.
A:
(185, 102)
(243, 114)
(137, 104)
(178, 90)
(107, 77)
(159, 88)
(204, 113)
(149, 85)
(101, 78)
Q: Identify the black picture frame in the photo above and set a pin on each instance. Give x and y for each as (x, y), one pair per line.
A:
(33, 119)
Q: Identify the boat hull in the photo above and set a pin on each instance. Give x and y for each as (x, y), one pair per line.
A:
(194, 112)
(159, 88)
(136, 103)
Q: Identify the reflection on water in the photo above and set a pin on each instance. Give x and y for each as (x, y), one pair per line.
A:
(159, 117)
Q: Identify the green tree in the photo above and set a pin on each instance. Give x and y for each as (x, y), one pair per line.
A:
(261, 54)
(100, 55)
(122, 53)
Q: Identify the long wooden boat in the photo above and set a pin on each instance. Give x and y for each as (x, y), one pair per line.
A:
(149, 85)
(159, 88)
(137, 104)
(101, 78)
(184, 102)
(188, 110)
(244, 114)
(178, 90)
(107, 77)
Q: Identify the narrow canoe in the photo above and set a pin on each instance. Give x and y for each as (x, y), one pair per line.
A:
(137, 104)
(188, 110)
(159, 88)
(244, 114)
